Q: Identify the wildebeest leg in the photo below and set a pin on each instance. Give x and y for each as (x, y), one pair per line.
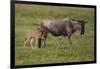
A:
(36, 42)
(42, 43)
(69, 38)
(56, 40)
(62, 41)
(39, 43)
(31, 43)
(43, 40)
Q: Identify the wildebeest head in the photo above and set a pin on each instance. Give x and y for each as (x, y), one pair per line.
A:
(78, 25)
(82, 23)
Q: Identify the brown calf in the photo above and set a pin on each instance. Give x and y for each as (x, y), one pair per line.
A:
(35, 34)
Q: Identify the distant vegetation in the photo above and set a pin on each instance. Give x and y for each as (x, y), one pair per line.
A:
(28, 17)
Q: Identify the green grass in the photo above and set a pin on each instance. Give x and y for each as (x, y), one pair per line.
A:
(28, 17)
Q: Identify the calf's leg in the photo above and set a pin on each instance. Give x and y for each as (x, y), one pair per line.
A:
(25, 42)
(31, 43)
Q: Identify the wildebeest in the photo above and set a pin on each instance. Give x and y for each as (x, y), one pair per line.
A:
(61, 27)
(34, 35)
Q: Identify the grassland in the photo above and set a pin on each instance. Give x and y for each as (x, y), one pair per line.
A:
(28, 17)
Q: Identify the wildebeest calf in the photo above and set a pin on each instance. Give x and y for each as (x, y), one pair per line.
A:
(35, 34)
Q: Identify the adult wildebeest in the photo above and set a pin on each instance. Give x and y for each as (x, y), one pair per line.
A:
(61, 27)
